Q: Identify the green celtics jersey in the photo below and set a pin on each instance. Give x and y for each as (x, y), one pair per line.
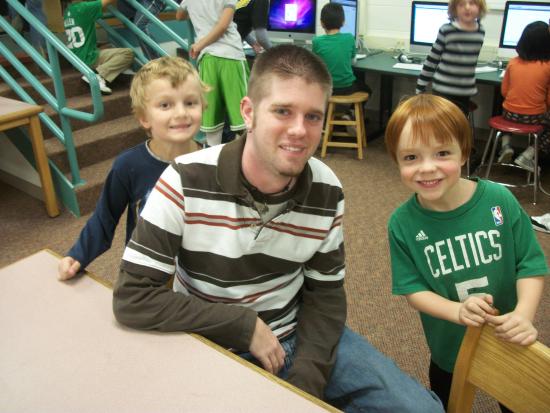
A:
(79, 22)
(483, 246)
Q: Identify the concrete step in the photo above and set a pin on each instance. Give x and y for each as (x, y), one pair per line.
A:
(103, 140)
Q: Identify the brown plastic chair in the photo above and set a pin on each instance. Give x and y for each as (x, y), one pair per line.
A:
(357, 99)
(517, 376)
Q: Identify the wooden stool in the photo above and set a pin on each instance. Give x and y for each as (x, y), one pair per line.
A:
(356, 99)
(13, 114)
(499, 125)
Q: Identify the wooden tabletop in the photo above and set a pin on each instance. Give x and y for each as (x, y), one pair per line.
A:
(11, 109)
(62, 351)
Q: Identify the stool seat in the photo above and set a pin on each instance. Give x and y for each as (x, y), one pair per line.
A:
(356, 97)
(501, 124)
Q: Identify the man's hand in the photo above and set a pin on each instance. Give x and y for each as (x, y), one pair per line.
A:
(514, 328)
(266, 348)
(474, 310)
(68, 267)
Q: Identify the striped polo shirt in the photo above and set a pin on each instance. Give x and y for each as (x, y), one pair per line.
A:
(201, 223)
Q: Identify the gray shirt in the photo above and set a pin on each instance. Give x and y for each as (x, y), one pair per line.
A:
(204, 15)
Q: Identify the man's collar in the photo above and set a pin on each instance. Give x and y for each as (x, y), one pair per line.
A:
(229, 173)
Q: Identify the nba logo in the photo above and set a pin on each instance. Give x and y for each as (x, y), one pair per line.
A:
(497, 215)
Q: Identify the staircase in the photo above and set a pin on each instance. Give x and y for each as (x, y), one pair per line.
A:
(97, 144)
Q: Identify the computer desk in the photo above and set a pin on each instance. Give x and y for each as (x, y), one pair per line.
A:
(62, 351)
(382, 64)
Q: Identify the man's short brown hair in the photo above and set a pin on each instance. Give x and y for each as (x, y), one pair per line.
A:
(285, 62)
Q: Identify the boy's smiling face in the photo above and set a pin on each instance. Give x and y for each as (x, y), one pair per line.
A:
(432, 169)
(173, 114)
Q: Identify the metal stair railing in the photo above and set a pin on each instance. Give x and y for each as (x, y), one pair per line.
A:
(155, 21)
(57, 100)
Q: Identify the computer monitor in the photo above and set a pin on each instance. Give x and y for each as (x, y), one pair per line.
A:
(517, 15)
(292, 19)
(426, 19)
(350, 13)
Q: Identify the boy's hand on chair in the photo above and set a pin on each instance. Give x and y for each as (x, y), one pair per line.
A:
(68, 267)
(514, 327)
(474, 309)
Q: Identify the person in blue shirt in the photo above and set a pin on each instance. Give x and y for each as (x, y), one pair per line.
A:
(168, 100)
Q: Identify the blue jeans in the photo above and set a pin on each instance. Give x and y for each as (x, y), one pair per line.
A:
(142, 22)
(35, 8)
(364, 380)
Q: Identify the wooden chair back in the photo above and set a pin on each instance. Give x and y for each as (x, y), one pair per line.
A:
(516, 376)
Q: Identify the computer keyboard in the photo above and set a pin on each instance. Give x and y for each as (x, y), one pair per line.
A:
(408, 66)
(485, 69)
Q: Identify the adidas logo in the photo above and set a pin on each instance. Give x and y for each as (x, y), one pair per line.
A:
(421, 236)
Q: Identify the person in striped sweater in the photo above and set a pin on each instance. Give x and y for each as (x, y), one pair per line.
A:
(252, 233)
(450, 65)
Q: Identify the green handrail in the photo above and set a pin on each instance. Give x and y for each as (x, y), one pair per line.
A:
(172, 5)
(51, 68)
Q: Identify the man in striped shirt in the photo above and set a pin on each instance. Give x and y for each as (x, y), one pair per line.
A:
(252, 232)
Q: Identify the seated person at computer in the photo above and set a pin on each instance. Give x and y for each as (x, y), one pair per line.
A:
(450, 65)
(252, 15)
(526, 92)
(337, 50)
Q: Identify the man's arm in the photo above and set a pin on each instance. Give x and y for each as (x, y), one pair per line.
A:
(322, 314)
(141, 298)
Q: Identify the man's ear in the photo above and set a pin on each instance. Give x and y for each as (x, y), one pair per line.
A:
(247, 112)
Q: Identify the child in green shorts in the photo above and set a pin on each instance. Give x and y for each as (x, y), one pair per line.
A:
(222, 63)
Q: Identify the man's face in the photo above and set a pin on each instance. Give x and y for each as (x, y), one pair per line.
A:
(284, 127)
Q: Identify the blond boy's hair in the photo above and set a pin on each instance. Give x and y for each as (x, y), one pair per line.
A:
(430, 117)
(453, 4)
(174, 69)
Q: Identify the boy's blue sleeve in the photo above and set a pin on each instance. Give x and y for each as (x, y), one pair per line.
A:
(97, 235)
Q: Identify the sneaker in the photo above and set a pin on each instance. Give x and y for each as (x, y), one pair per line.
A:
(541, 223)
(506, 154)
(106, 90)
(525, 159)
